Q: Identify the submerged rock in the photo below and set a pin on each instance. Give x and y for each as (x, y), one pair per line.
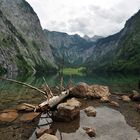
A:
(114, 104)
(135, 96)
(90, 131)
(90, 111)
(8, 115)
(67, 111)
(104, 100)
(90, 91)
(48, 137)
(28, 116)
(126, 98)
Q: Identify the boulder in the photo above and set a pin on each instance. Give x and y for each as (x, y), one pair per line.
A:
(138, 139)
(80, 90)
(104, 100)
(90, 131)
(135, 96)
(47, 137)
(89, 91)
(90, 111)
(99, 91)
(114, 104)
(39, 132)
(67, 111)
(8, 115)
(28, 116)
(126, 98)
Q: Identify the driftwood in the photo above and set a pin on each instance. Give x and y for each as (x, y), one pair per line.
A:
(50, 103)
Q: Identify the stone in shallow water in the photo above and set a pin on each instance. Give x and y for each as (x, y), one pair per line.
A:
(67, 111)
(114, 104)
(8, 115)
(90, 111)
(48, 137)
(125, 98)
(90, 131)
(28, 116)
(104, 100)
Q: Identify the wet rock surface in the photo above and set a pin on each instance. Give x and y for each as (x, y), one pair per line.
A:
(28, 116)
(114, 104)
(90, 131)
(104, 100)
(126, 98)
(8, 115)
(90, 111)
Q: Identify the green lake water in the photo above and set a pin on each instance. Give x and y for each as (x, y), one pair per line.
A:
(12, 94)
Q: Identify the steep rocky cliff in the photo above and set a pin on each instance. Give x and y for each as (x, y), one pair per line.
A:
(22, 43)
(70, 50)
(119, 52)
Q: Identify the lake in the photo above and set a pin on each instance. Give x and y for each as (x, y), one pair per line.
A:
(122, 123)
(11, 93)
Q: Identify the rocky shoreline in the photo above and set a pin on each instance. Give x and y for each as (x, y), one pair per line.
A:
(70, 110)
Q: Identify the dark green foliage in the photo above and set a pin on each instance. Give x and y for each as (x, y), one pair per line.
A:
(2, 70)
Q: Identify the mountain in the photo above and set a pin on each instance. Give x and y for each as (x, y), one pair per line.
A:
(119, 52)
(93, 39)
(70, 50)
(23, 46)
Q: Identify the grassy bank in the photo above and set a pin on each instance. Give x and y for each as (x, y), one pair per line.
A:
(74, 71)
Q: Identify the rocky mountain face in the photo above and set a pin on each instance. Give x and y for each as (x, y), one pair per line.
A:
(95, 38)
(69, 50)
(119, 52)
(23, 46)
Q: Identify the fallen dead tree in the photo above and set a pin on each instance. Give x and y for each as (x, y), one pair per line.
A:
(48, 104)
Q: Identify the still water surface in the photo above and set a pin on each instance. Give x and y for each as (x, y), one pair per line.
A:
(11, 93)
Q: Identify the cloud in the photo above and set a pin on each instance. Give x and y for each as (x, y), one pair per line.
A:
(100, 17)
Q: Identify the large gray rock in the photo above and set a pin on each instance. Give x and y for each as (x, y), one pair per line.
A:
(67, 111)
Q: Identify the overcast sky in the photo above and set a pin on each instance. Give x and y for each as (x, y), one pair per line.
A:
(90, 17)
